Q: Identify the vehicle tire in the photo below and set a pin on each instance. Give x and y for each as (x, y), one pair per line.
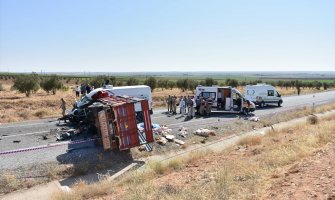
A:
(262, 105)
(279, 103)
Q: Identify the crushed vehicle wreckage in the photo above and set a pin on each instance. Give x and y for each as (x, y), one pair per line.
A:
(115, 118)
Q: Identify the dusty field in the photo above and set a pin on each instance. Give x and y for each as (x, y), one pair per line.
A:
(294, 163)
(17, 107)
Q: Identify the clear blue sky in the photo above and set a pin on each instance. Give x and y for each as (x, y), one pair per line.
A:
(167, 35)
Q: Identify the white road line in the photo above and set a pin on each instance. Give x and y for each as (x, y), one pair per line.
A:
(7, 136)
(13, 126)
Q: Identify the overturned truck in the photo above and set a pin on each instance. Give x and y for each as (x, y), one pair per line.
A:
(114, 118)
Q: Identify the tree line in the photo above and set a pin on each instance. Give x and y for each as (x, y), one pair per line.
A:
(29, 83)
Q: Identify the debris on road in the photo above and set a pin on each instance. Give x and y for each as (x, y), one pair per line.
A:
(182, 132)
(170, 138)
(44, 137)
(16, 141)
(254, 119)
(63, 133)
(204, 132)
(163, 130)
(142, 147)
(161, 140)
(177, 141)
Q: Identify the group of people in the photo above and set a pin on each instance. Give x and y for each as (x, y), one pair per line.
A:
(83, 89)
(200, 106)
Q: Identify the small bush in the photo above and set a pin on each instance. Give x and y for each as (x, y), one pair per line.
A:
(23, 114)
(158, 167)
(312, 120)
(252, 140)
(175, 164)
(8, 182)
(41, 113)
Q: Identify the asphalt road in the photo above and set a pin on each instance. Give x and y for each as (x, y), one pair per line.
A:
(29, 134)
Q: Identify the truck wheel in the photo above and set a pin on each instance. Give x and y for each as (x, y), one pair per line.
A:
(262, 105)
(279, 103)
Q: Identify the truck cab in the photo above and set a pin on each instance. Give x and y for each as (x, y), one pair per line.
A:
(226, 99)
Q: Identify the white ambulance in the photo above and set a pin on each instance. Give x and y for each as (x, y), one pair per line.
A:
(262, 94)
(226, 99)
(138, 91)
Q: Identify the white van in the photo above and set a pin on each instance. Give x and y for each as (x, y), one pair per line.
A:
(262, 94)
(139, 91)
(226, 99)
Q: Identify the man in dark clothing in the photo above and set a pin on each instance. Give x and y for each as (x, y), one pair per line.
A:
(88, 88)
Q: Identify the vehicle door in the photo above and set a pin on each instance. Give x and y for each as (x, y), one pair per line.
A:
(271, 96)
(237, 101)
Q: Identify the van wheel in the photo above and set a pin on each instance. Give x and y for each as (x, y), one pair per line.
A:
(262, 105)
(279, 103)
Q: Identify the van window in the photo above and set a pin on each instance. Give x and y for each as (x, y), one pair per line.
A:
(271, 93)
(206, 95)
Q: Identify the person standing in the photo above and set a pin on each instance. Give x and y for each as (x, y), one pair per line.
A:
(182, 105)
(88, 88)
(63, 106)
(197, 102)
(194, 106)
(209, 102)
(83, 89)
(168, 103)
(77, 90)
(174, 105)
(188, 103)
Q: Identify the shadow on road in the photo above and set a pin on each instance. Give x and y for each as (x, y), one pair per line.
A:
(90, 162)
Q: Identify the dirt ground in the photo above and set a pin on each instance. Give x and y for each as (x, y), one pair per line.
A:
(313, 178)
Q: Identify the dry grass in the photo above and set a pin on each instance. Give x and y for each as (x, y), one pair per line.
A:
(84, 191)
(228, 175)
(160, 168)
(251, 140)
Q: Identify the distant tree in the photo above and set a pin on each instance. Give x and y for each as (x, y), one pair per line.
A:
(310, 85)
(287, 84)
(297, 85)
(210, 82)
(317, 85)
(232, 82)
(171, 84)
(162, 83)
(132, 81)
(98, 81)
(68, 79)
(280, 83)
(182, 84)
(192, 84)
(243, 83)
(325, 85)
(27, 83)
(151, 82)
(112, 80)
(1, 87)
(119, 83)
(51, 83)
